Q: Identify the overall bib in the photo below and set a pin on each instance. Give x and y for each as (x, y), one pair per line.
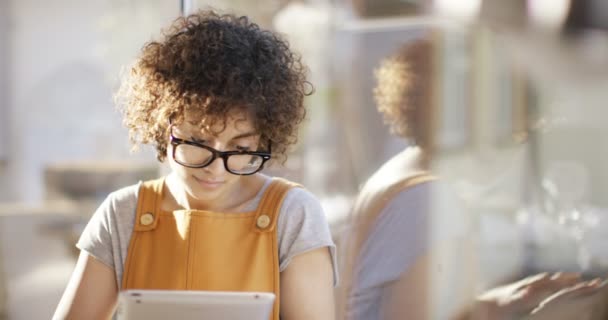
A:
(203, 250)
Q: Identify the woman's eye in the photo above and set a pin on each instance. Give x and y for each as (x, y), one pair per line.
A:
(197, 140)
(241, 148)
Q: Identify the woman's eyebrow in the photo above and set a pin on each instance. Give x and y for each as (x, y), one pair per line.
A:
(237, 137)
(199, 140)
(244, 135)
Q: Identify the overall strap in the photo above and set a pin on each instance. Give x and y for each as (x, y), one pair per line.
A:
(268, 210)
(369, 212)
(148, 204)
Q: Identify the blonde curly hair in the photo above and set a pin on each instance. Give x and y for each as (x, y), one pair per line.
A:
(403, 90)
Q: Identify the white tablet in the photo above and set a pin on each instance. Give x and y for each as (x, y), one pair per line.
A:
(200, 305)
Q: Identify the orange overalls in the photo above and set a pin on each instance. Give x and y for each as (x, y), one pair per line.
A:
(203, 250)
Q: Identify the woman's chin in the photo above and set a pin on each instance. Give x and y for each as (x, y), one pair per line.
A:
(207, 184)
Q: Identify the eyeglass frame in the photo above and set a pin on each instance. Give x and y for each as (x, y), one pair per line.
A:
(218, 154)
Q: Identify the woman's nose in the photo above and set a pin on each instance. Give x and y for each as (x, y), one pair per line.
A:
(216, 166)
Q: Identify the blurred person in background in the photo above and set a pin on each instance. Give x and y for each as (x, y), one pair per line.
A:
(388, 255)
(217, 97)
(408, 253)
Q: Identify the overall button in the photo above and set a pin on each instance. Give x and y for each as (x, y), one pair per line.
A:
(263, 221)
(146, 219)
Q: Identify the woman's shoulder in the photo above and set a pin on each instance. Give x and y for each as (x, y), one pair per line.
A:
(300, 196)
(296, 195)
(125, 195)
(121, 202)
(301, 205)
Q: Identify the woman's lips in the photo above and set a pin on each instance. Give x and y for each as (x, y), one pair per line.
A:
(208, 183)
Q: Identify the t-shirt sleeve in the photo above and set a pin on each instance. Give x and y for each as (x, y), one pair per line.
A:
(303, 227)
(96, 239)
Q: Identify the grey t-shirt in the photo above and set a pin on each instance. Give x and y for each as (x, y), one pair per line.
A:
(414, 223)
(302, 226)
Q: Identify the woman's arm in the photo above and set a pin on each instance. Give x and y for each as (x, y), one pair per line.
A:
(407, 298)
(91, 292)
(307, 287)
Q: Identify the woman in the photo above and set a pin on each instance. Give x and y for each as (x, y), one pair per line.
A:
(217, 97)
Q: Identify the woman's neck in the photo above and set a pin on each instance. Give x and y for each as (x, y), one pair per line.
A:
(420, 158)
(177, 198)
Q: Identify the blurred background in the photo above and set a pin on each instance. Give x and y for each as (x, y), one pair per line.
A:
(518, 114)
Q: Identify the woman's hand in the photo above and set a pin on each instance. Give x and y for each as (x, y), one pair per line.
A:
(517, 299)
(575, 302)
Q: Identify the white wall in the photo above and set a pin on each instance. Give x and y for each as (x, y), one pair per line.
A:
(65, 57)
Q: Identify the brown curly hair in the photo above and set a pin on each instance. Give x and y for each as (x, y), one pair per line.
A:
(208, 64)
(403, 91)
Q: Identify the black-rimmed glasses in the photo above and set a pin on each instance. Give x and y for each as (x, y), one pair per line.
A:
(196, 155)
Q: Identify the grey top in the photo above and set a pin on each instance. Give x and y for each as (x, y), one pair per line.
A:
(404, 222)
(414, 223)
(422, 220)
(302, 226)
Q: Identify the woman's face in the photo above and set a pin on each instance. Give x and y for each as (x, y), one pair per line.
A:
(213, 182)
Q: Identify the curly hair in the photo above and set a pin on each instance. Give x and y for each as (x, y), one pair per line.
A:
(403, 90)
(207, 64)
